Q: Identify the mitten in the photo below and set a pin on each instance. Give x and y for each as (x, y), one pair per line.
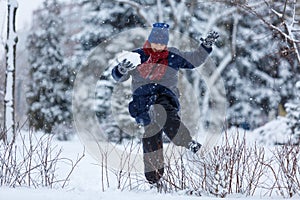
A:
(210, 40)
(125, 66)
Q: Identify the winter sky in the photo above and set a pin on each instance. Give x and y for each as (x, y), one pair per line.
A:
(24, 12)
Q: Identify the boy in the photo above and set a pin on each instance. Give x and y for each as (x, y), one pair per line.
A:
(154, 87)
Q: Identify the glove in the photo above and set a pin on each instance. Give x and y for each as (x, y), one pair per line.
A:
(210, 40)
(125, 66)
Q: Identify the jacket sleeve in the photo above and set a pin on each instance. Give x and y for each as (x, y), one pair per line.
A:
(194, 58)
(118, 76)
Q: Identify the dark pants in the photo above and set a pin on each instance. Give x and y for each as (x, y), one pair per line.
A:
(165, 119)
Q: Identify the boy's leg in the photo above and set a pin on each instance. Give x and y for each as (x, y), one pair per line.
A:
(153, 154)
(176, 131)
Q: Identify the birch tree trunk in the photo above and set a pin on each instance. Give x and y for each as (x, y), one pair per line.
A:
(11, 43)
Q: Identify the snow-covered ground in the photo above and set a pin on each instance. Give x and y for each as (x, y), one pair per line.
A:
(47, 194)
(85, 183)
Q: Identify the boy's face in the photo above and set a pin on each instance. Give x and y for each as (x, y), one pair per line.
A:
(158, 47)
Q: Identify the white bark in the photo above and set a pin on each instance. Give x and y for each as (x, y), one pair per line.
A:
(292, 28)
(270, 25)
(9, 110)
(288, 30)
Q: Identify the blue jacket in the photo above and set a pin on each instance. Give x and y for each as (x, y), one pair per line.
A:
(146, 91)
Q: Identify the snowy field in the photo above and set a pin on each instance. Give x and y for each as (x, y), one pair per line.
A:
(85, 183)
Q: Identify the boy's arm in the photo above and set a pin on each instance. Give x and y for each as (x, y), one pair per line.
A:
(198, 57)
(195, 58)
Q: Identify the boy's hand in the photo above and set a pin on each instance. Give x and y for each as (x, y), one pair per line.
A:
(125, 66)
(210, 40)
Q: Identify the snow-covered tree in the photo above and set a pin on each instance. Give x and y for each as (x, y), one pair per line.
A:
(102, 19)
(258, 76)
(102, 108)
(49, 96)
(266, 59)
(293, 115)
(250, 75)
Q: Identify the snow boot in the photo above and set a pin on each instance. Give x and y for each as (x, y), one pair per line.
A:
(194, 146)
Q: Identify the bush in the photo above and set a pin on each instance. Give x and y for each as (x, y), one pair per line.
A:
(32, 161)
(234, 167)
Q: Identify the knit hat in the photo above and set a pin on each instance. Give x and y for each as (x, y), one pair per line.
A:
(159, 34)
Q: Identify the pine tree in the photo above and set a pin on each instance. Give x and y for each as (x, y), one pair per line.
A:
(249, 81)
(49, 94)
(293, 115)
(102, 20)
(120, 115)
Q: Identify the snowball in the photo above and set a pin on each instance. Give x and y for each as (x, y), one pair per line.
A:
(134, 58)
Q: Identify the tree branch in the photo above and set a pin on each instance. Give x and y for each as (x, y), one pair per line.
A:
(271, 26)
(139, 9)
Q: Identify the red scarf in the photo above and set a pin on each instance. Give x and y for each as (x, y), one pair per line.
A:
(156, 65)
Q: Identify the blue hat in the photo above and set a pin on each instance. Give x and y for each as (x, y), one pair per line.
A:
(159, 34)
